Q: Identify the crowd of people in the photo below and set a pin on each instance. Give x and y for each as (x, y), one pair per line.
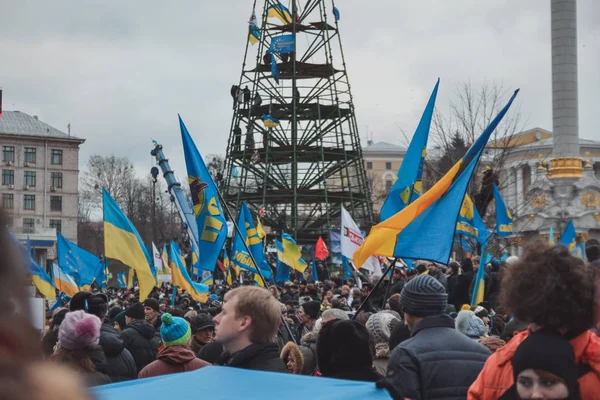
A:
(416, 335)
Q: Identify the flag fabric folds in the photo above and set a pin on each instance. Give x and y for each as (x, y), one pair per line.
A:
(504, 225)
(579, 251)
(40, 278)
(479, 287)
(274, 75)
(321, 251)
(424, 230)
(280, 12)
(336, 13)
(569, 237)
(314, 276)
(253, 30)
(260, 230)
(282, 44)
(407, 187)
(469, 223)
(80, 264)
(63, 282)
(209, 280)
(212, 226)
(283, 271)
(181, 278)
(290, 253)
(269, 121)
(121, 280)
(240, 256)
(156, 259)
(123, 242)
(351, 239)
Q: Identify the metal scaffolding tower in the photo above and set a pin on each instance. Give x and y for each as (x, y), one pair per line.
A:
(303, 169)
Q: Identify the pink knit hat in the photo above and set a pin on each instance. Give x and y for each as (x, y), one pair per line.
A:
(79, 330)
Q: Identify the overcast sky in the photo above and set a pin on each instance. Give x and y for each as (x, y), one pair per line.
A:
(120, 71)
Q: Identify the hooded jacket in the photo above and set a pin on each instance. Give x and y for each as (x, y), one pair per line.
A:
(437, 362)
(120, 365)
(292, 352)
(258, 357)
(173, 359)
(497, 374)
(141, 342)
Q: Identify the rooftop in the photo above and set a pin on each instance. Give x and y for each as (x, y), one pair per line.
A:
(549, 143)
(383, 148)
(21, 124)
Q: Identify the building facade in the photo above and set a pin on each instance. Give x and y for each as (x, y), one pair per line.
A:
(39, 186)
(382, 162)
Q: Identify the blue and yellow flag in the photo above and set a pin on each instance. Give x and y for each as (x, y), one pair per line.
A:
(348, 272)
(209, 280)
(123, 242)
(228, 268)
(40, 278)
(504, 221)
(131, 278)
(424, 230)
(551, 236)
(275, 76)
(579, 251)
(63, 282)
(240, 256)
(479, 287)
(269, 121)
(181, 278)
(258, 281)
(212, 226)
(280, 12)
(282, 274)
(253, 29)
(569, 237)
(121, 280)
(290, 253)
(408, 186)
(259, 229)
(469, 223)
(82, 265)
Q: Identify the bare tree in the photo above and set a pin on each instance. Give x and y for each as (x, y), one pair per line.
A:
(115, 174)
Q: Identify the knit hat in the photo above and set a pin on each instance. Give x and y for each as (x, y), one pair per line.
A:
(381, 326)
(174, 330)
(312, 308)
(113, 312)
(423, 296)
(201, 322)
(492, 343)
(548, 350)
(79, 331)
(152, 303)
(135, 311)
(120, 319)
(481, 312)
(476, 327)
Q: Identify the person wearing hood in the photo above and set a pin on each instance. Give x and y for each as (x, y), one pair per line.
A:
(78, 338)
(293, 358)
(542, 374)
(203, 329)
(119, 363)
(381, 326)
(139, 337)
(470, 325)
(176, 356)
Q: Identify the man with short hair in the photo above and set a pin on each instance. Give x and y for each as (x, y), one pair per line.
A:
(247, 328)
(309, 313)
(152, 314)
(436, 353)
(203, 329)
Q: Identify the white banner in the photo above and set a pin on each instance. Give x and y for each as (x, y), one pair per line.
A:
(157, 257)
(351, 239)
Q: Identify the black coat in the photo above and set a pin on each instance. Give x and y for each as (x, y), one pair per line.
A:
(258, 357)
(451, 282)
(437, 362)
(120, 365)
(141, 342)
(460, 294)
(210, 352)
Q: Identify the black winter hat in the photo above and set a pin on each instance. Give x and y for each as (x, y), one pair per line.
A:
(312, 308)
(467, 265)
(344, 346)
(454, 266)
(95, 304)
(135, 311)
(113, 312)
(423, 296)
(152, 303)
(202, 321)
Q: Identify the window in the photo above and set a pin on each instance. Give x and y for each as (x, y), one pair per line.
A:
(30, 178)
(388, 165)
(56, 178)
(8, 177)
(56, 224)
(55, 203)
(30, 155)
(56, 157)
(28, 225)
(8, 153)
(388, 185)
(29, 203)
(8, 201)
(369, 165)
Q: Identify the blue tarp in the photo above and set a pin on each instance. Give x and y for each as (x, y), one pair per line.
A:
(233, 383)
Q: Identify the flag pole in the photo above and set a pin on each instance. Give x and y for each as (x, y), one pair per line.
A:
(387, 289)
(265, 283)
(364, 303)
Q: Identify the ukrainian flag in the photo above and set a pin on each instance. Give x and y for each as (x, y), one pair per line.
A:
(504, 225)
(259, 229)
(579, 251)
(479, 287)
(258, 281)
(551, 236)
(130, 280)
(212, 226)
(181, 278)
(425, 228)
(408, 186)
(569, 237)
(290, 253)
(63, 282)
(40, 278)
(270, 122)
(282, 273)
(165, 258)
(209, 280)
(123, 242)
(280, 12)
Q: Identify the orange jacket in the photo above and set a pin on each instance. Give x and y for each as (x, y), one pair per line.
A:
(497, 374)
